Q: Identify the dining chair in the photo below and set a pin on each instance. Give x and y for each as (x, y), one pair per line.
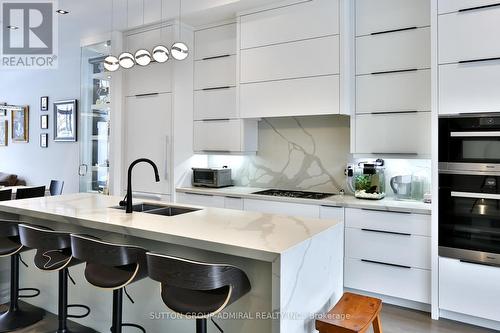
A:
(30, 192)
(5, 195)
(56, 187)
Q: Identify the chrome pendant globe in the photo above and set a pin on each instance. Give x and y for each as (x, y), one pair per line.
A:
(126, 60)
(161, 54)
(143, 57)
(179, 51)
(111, 63)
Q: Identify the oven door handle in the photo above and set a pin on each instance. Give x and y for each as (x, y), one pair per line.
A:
(473, 195)
(485, 134)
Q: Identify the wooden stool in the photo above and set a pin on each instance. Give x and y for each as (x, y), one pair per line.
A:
(352, 314)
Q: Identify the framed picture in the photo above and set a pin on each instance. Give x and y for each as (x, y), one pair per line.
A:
(4, 133)
(44, 103)
(44, 140)
(19, 124)
(65, 121)
(44, 121)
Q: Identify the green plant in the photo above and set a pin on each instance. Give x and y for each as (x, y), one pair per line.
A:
(363, 182)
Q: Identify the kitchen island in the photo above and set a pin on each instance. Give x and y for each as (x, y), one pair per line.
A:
(295, 265)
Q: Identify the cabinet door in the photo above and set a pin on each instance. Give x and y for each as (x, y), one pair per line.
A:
(469, 88)
(213, 42)
(332, 213)
(233, 135)
(282, 208)
(447, 6)
(319, 56)
(215, 73)
(199, 199)
(152, 11)
(470, 289)
(215, 104)
(407, 49)
(402, 133)
(403, 91)
(148, 122)
(299, 97)
(383, 15)
(470, 35)
(233, 203)
(309, 19)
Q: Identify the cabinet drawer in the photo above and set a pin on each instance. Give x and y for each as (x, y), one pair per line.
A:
(282, 208)
(466, 88)
(197, 199)
(225, 136)
(215, 41)
(447, 6)
(393, 51)
(408, 283)
(215, 104)
(214, 73)
(403, 91)
(299, 97)
(384, 15)
(331, 213)
(233, 203)
(414, 224)
(394, 248)
(397, 133)
(283, 24)
(469, 288)
(291, 60)
(155, 78)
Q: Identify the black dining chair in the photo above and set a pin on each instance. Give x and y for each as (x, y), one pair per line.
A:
(30, 192)
(5, 195)
(56, 187)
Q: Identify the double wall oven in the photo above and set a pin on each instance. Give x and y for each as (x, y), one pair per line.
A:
(469, 188)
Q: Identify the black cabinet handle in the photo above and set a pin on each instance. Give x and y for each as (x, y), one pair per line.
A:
(217, 57)
(391, 211)
(395, 30)
(216, 151)
(216, 119)
(396, 71)
(394, 112)
(478, 8)
(146, 95)
(387, 232)
(385, 264)
(478, 60)
(216, 88)
(200, 194)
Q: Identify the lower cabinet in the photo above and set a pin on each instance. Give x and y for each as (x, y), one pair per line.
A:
(283, 208)
(197, 199)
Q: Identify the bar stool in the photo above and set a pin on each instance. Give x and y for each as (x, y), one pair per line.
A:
(197, 289)
(113, 267)
(16, 316)
(53, 254)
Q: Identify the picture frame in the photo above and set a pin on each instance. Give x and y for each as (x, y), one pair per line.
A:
(44, 103)
(44, 121)
(4, 133)
(66, 121)
(44, 140)
(20, 124)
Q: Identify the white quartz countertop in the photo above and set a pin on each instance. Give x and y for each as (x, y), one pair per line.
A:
(248, 234)
(386, 204)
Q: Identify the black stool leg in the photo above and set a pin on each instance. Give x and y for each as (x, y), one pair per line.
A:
(18, 317)
(63, 301)
(117, 311)
(201, 326)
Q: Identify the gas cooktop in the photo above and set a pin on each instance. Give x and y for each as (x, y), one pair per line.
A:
(295, 194)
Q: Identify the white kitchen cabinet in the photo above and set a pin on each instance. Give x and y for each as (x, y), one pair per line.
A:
(219, 103)
(408, 49)
(448, 6)
(393, 133)
(215, 41)
(148, 128)
(470, 35)
(282, 208)
(468, 88)
(233, 203)
(215, 73)
(298, 97)
(199, 199)
(291, 60)
(413, 284)
(331, 213)
(401, 91)
(383, 15)
(152, 11)
(225, 135)
(304, 20)
(470, 289)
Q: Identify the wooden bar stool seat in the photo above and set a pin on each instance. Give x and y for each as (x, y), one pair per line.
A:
(352, 314)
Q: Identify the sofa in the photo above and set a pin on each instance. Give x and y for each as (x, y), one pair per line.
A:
(7, 179)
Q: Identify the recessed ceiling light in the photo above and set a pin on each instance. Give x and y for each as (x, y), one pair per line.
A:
(62, 11)
(12, 27)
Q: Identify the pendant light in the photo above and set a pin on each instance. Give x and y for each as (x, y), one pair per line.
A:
(160, 52)
(111, 62)
(179, 50)
(142, 57)
(126, 60)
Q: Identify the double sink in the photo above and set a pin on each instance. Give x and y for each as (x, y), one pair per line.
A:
(159, 209)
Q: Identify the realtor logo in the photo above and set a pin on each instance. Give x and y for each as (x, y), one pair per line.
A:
(29, 34)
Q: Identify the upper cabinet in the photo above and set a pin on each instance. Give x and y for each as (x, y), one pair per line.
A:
(288, 68)
(448, 6)
(215, 42)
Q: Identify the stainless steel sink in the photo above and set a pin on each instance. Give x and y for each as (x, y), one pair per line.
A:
(159, 209)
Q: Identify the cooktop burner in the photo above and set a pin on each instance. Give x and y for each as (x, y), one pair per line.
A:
(295, 194)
